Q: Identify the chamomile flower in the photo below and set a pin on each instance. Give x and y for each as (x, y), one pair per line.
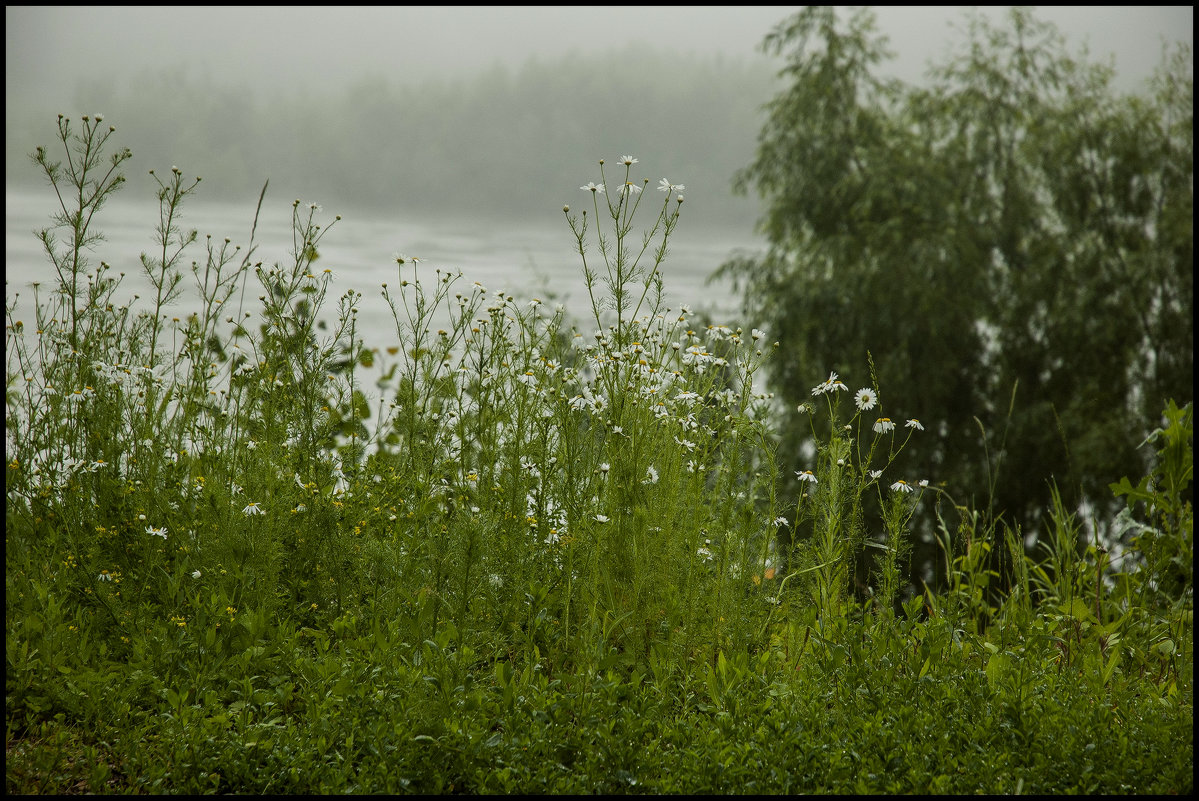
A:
(666, 186)
(252, 509)
(592, 186)
(883, 425)
(901, 486)
(865, 399)
(629, 188)
(157, 532)
(628, 161)
(806, 475)
(601, 518)
(832, 384)
(914, 423)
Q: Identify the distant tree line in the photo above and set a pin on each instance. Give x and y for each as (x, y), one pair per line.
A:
(505, 142)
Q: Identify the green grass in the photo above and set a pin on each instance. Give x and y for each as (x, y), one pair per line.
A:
(533, 557)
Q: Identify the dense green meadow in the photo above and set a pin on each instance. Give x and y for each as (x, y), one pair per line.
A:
(252, 548)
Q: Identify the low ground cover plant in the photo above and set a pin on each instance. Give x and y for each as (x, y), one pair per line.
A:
(250, 549)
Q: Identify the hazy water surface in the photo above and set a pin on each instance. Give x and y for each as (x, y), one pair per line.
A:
(534, 260)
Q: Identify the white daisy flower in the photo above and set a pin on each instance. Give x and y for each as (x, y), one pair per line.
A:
(806, 475)
(865, 399)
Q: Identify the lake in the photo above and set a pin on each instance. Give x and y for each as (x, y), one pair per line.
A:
(528, 260)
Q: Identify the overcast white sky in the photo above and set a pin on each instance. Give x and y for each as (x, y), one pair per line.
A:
(48, 49)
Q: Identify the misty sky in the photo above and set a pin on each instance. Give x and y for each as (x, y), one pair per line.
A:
(48, 50)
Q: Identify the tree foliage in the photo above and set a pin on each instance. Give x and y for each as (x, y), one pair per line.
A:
(1011, 243)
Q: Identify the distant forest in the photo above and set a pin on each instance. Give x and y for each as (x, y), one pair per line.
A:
(504, 144)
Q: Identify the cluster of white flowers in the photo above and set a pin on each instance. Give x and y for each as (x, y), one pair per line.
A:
(865, 399)
(627, 187)
(668, 373)
(831, 384)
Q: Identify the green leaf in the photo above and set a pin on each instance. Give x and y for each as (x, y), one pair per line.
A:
(998, 666)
